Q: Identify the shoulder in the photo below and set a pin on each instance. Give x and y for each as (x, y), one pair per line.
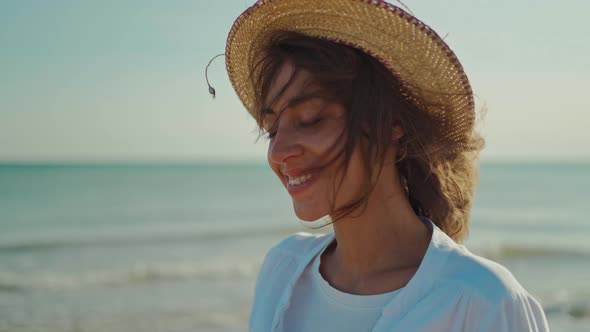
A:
(458, 269)
(492, 297)
(479, 276)
(299, 244)
(291, 252)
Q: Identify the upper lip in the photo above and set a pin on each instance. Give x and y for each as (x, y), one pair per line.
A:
(294, 172)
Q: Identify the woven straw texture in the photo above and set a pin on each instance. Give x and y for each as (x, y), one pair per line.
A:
(412, 51)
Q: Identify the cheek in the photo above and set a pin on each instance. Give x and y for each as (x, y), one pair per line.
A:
(354, 181)
(326, 142)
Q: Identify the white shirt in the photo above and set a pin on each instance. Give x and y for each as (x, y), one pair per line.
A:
(452, 290)
(317, 306)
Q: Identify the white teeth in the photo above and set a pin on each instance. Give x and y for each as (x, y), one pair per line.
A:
(298, 180)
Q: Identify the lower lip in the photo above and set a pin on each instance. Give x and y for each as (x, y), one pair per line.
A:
(298, 188)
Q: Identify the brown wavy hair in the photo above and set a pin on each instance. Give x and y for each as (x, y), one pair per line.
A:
(439, 176)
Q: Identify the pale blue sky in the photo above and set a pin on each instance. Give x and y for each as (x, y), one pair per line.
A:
(124, 80)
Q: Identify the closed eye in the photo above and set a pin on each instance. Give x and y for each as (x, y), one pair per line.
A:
(311, 123)
(271, 133)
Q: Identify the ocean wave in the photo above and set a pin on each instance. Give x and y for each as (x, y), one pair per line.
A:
(154, 238)
(138, 274)
(507, 251)
(32, 245)
(577, 309)
(131, 240)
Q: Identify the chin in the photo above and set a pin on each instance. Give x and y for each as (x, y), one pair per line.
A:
(307, 215)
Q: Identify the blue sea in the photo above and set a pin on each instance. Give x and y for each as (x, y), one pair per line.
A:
(177, 247)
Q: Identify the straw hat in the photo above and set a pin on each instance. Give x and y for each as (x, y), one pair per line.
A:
(414, 53)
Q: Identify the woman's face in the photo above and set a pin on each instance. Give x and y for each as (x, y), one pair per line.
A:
(302, 141)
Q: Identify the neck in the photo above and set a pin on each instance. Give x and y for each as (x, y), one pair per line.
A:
(387, 237)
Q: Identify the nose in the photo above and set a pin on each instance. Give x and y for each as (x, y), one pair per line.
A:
(284, 145)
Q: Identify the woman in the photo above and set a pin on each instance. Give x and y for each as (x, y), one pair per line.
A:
(370, 121)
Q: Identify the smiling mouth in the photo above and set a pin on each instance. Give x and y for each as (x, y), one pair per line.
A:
(294, 181)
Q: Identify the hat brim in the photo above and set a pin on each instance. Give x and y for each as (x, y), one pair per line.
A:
(410, 49)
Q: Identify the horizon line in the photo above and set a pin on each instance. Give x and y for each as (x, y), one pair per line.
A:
(246, 162)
